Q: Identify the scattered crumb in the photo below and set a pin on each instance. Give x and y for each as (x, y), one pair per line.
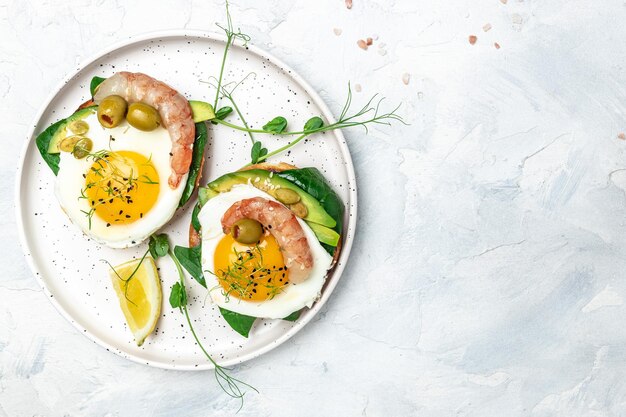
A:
(382, 52)
(406, 77)
(621, 136)
(357, 88)
(472, 39)
(337, 31)
(497, 45)
(503, 1)
(349, 4)
(420, 95)
(362, 44)
(369, 41)
(487, 27)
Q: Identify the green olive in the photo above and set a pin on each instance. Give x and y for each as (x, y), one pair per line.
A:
(78, 127)
(299, 210)
(67, 144)
(111, 111)
(287, 196)
(82, 148)
(247, 231)
(143, 117)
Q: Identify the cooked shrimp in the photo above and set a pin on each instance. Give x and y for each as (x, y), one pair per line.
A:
(283, 225)
(172, 106)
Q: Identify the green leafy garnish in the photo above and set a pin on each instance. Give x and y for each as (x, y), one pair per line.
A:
(257, 152)
(194, 217)
(276, 125)
(158, 245)
(95, 82)
(239, 322)
(178, 296)
(178, 299)
(190, 258)
(313, 123)
(223, 112)
(43, 142)
(369, 114)
(293, 316)
(196, 163)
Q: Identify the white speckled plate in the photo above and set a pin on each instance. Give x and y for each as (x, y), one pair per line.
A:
(68, 265)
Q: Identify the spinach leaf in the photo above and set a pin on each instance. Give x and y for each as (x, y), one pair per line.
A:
(194, 217)
(95, 82)
(158, 246)
(313, 123)
(43, 142)
(257, 152)
(190, 259)
(313, 182)
(293, 316)
(196, 162)
(276, 125)
(239, 322)
(178, 296)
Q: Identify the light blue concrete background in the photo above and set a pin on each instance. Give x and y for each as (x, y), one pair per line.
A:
(487, 278)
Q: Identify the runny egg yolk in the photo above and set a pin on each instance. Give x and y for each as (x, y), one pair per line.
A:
(121, 187)
(250, 272)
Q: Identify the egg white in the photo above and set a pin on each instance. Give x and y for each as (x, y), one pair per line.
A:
(70, 181)
(293, 298)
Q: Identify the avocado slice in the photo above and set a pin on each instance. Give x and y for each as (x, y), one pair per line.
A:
(325, 234)
(61, 133)
(201, 111)
(268, 182)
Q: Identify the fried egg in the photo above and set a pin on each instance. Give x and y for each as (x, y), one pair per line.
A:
(119, 194)
(253, 279)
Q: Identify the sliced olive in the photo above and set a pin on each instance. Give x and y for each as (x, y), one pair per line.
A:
(247, 231)
(67, 144)
(111, 111)
(287, 196)
(143, 117)
(78, 127)
(299, 210)
(82, 148)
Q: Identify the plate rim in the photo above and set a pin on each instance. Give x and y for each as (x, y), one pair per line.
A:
(351, 208)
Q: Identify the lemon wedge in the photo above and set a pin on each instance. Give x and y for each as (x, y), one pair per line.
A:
(140, 296)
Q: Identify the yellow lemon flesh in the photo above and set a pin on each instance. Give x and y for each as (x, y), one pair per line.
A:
(140, 295)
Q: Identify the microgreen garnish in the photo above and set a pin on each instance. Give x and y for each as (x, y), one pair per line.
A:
(158, 245)
(178, 299)
(313, 123)
(369, 114)
(257, 151)
(277, 125)
(231, 36)
(223, 112)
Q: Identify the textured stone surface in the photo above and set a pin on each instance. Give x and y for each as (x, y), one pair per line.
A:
(487, 274)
